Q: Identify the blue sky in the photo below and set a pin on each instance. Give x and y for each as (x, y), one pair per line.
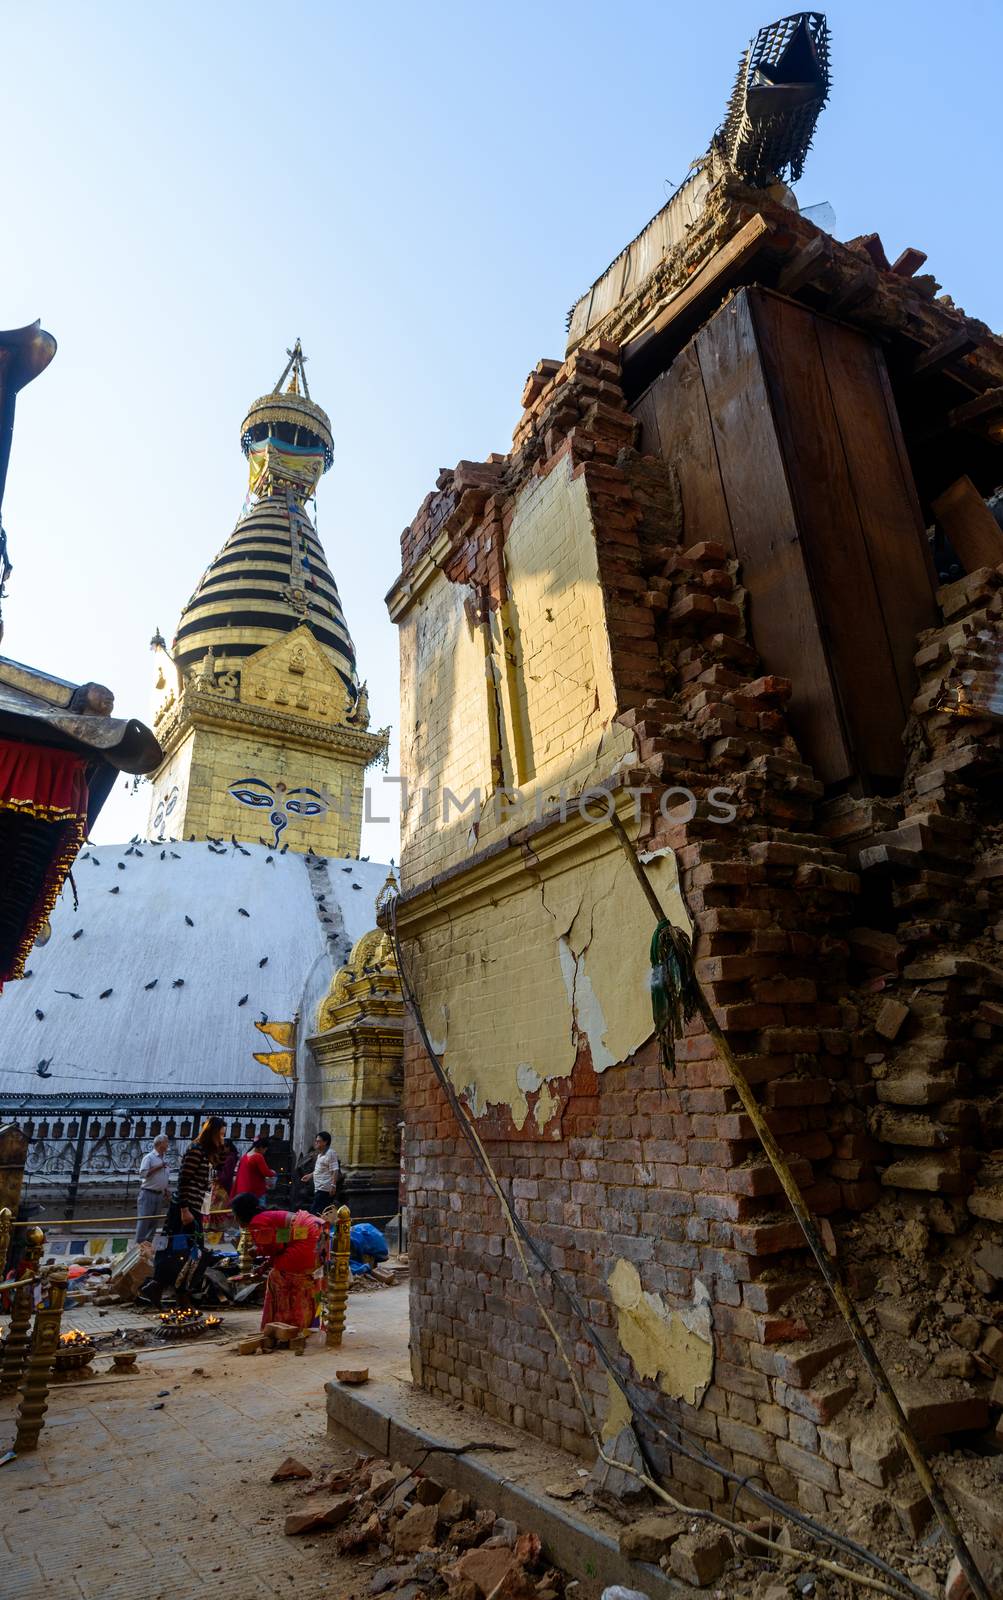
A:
(419, 192)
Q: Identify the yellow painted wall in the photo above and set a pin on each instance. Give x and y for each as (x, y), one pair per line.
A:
(529, 693)
(509, 979)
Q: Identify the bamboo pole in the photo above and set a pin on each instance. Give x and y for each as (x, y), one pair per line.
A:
(826, 1263)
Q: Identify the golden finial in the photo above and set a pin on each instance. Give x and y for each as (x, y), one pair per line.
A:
(293, 370)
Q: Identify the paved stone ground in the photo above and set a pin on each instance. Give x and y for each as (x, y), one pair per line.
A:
(126, 1502)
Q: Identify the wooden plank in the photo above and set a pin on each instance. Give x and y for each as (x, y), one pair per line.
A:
(782, 612)
(686, 438)
(905, 467)
(806, 265)
(958, 344)
(894, 535)
(643, 356)
(909, 262)
(644, 410)
(835, 548)
(974, 533)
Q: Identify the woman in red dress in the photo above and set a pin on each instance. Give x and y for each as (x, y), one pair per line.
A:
(291, 1242)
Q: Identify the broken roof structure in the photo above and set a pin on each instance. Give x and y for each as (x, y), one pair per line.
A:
(708, 584)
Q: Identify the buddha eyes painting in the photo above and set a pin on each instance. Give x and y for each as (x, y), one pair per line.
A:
(166, 805)
(283, 804)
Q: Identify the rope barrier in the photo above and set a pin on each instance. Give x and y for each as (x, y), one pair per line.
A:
(94, 1222)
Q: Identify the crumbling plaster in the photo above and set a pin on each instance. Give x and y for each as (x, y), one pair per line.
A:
(513, 987)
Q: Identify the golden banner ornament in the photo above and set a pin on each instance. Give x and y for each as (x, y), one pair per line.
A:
(281, 1032)
(280, 1061)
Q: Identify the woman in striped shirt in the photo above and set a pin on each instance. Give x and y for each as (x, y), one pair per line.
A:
(180, 1261)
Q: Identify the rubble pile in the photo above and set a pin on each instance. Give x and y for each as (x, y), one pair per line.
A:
(423, 1540)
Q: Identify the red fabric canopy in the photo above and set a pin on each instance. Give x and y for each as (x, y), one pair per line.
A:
(43, 823)
(47, 783)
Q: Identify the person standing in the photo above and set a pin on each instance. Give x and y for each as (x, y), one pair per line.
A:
(154, 1188)
(181, 1260)
(219, 1199)
(254, 1175)
(326, 1172)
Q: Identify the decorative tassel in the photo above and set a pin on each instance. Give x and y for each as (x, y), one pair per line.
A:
(673, 988)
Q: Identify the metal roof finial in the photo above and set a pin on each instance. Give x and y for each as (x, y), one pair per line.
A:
(295, 365)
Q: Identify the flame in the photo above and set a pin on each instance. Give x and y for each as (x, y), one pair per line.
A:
(73, 1338)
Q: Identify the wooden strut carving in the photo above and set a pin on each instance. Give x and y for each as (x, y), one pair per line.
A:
(6, 1233)
(15, 1350)
(336, 1286)
(44, 1344)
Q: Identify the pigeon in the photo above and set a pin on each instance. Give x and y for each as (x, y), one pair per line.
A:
(120, 865)
(137, 852)
(114, 891)
(78, 933)
(264, 1016)
(43, 1069)
(261, 840)
(26, 973)
(40, 1015)
(189, 921)
(242, 913)
(282, 852)
(95, 861)
(263, 962)
(363, 858)
(243, 852)
(356, 886)
(71, 992)
(269, 859)
(233, 840)
(131, 850)
(243, 1000)
(152, 984)
(346, 869)
(174, 853)
(104, 994)
(163, 855)
(178, 983)
(135, 839)
(85, 855)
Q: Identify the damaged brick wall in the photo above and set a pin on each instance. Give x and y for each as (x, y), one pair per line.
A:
(846, 949)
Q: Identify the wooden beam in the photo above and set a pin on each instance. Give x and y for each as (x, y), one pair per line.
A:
(858, 287)
(694, 303)
(977, 413)
(975, 535)
(908, 263)
(957, 344)
(806, 265)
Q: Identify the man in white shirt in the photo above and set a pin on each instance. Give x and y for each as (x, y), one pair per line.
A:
(154, 1188)
(326, 1169)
